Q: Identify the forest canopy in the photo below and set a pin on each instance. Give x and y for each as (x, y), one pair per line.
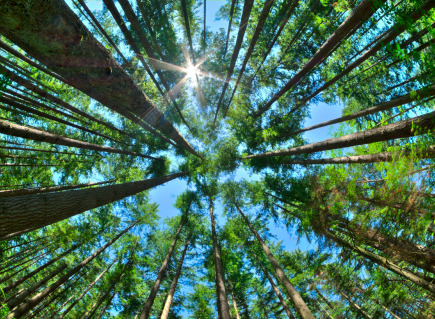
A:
(102, 102)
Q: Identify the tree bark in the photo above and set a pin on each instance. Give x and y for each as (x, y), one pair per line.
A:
(86, 290)
(146, 311)
(38, 150)
(171, 293)
(404, 99)
(21, 192)
(396, 30)
(39, 210)
(80, 59)
(275, 289)
(362, 13)
(247, 7)
(260, 23)
(407, 128)
(221, 294)
(38, 298)
(300, 305)
(11, 129)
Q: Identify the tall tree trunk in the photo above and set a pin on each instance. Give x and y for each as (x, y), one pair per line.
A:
(25, 243)
(171, 293)
(247, 7)
(86, 290)
(18, 282)
(330, 306)
(221, 294)
(402, 129)
(108, 38)
(38, 298)
(404, 99)
(396, 30)
(398, 249)
(28, 85)
(291, 8)
(381, 261)
(299, 303)
(233, 4)
(11, 129)
(323, 308)
(275, 289)
(38, 258)
(362, 13)
(106, 306)
(39, 150)
(233, 298)
(21, 192)
(20, 298)
(45, 209)
(14, 52)
(132, 18)
(90, 313)
(146, 311)
(370, 158)
(70, 58)
(356, 306)
(19, 106)
(245, 308)
(260, 22)
(53, 298)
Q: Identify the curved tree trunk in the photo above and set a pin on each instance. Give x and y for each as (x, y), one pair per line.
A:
(86, 290)
(38, 298)
(362, 13)
(77, 57)
(247, 7)
(401, 129)
(146, 311)
(275, 289)
(21, 192)
(260, 22)
(45, 209)
(292, 292)
(171, 293)
(11, 129)
(221, 294)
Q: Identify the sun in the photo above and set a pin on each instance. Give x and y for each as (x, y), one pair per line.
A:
(191, 71)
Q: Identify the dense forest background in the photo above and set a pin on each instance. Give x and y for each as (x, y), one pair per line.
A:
(103, 102)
